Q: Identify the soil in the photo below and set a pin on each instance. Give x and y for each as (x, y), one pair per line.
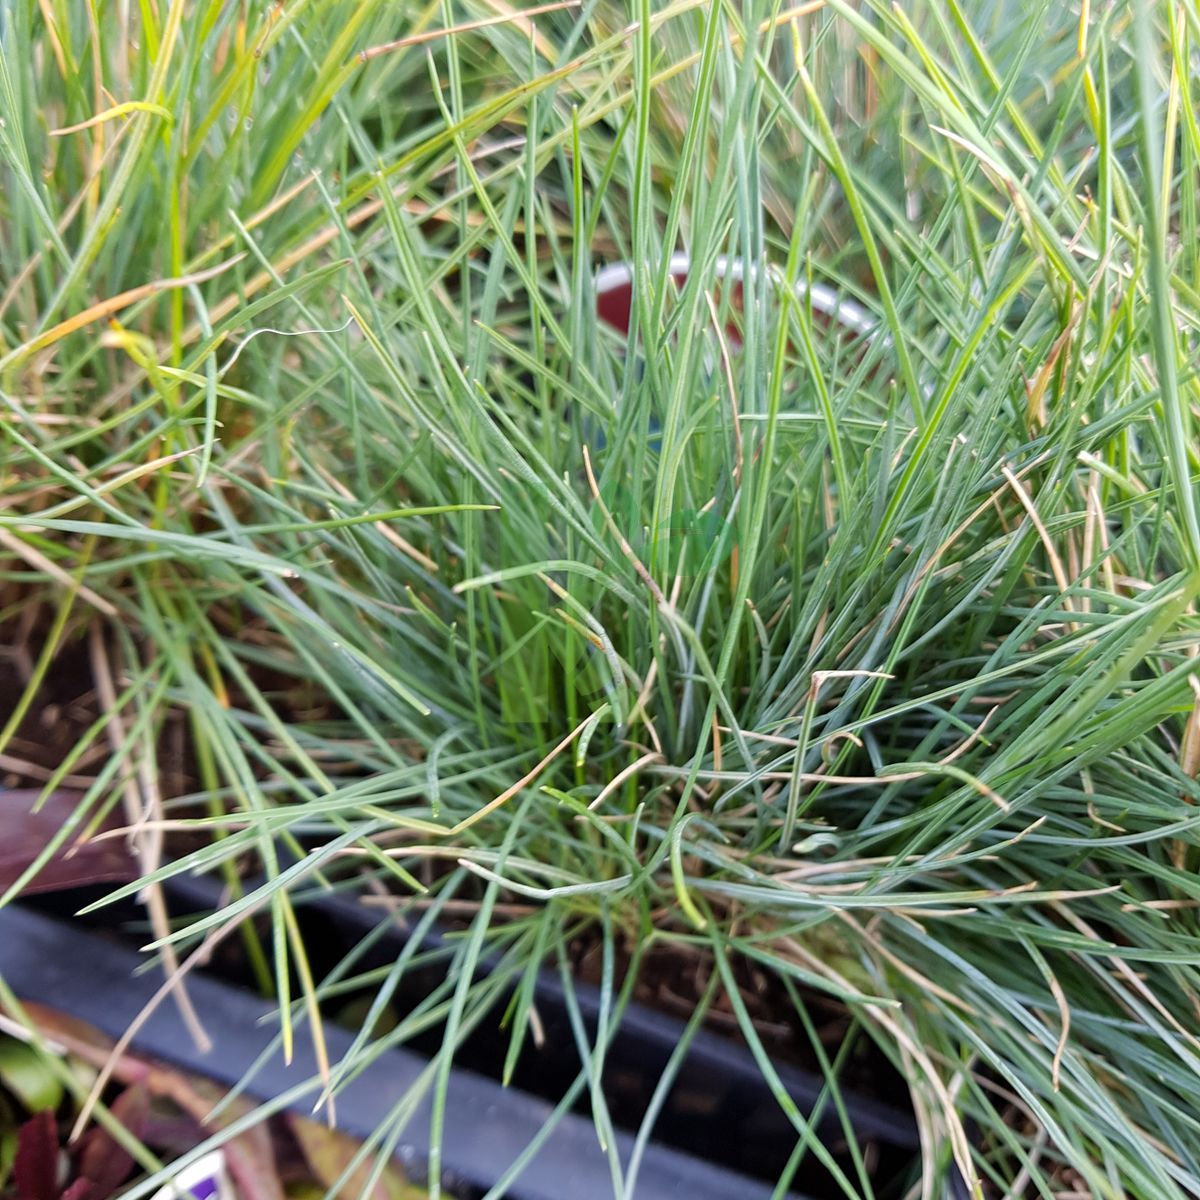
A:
(66, 707)
(672, 980)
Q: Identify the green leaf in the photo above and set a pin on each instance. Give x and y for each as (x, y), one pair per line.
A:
(29, 1076)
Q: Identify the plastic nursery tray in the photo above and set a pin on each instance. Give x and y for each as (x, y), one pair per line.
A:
(97, 979)
(719, 1107)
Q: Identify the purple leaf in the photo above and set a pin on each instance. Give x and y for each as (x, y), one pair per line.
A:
(35, 1167)
(74, 864)
(81, 1189)
(103, 1163)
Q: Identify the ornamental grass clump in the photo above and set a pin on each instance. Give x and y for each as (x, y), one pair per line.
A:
(864, 655)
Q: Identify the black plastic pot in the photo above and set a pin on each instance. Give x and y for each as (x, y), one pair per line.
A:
(720, 1100)
(97, 979)
(719, 1109)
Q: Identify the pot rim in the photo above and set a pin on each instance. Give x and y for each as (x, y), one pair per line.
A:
(847, 313)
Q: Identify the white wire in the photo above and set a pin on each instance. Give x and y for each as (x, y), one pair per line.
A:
(282, 333)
